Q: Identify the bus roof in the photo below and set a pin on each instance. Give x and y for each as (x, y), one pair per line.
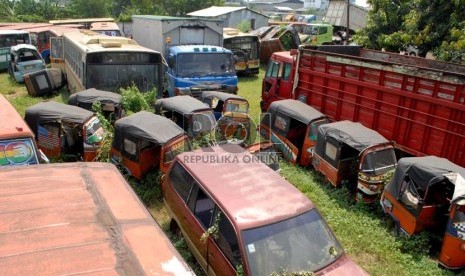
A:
(74, 218)
(100, 26)
(210, 49)
(9, 32)
(244, 188)
(14, 126)
(57, 30)
(81, 20)
(90, 41)
(22, 26)
(231, 32)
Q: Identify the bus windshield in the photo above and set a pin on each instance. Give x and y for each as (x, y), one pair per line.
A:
(248, 45)
(206, 64)
(8, 40)
(111, 71)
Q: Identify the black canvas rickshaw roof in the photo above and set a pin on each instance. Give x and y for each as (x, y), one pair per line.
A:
(53, 111)
(353, 134)
(148, 126)
(181, 104)
(221, 95)
(295, 109)
(93, 95)
(424, 171)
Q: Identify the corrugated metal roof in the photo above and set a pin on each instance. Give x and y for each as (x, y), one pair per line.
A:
(167, 18)
(214, 11)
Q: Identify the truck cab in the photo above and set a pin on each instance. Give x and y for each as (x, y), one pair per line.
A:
(196, 68)
(279, 79)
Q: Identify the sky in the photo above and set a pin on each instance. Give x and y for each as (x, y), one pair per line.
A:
(362, 3)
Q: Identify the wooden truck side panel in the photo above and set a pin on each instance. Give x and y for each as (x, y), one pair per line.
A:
(422, 109)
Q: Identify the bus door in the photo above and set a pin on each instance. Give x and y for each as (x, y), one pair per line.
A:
(57, 52)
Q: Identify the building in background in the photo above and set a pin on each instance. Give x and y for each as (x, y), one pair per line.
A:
(233, 16)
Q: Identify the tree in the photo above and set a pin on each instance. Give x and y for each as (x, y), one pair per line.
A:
(89, 9)
(428, 24)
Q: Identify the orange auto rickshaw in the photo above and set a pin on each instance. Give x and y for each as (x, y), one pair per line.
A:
(429, 193)
(65, 131)
(144, 141)
(110, 102)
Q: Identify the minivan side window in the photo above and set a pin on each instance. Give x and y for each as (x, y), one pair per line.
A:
(203, 209)
(181, 180)
(227, 240)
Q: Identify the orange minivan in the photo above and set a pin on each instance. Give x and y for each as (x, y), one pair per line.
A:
(240, 218)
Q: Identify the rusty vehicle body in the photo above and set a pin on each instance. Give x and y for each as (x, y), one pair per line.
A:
(192, 115)
(250, 231)
(350, 153)
(276, 39)
(144, 141)
(429, 193)
(292, 127)
(66, 131)
(79, 218)
(17, 143)
(110, 102)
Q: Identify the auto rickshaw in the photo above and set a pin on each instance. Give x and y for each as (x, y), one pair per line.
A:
(231, 112)
(110, 102)
(192, 115)
(144, 140)
(350, 153)
(66, 131)
(292, 126)
(429, 193)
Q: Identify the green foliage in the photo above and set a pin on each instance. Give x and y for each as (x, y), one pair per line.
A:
(107, 139)
(430, 25)
(148, 189)
(213, 230)
(89, 9)
(135, 101)
(244, 26)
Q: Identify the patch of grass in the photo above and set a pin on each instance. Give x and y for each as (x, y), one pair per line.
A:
(16, 94)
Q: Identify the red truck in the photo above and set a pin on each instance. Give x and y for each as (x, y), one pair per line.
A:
(416, 102)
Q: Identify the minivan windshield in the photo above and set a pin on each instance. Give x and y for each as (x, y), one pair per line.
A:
(301, 243)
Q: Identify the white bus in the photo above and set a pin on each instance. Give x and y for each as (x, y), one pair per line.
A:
(92, 60)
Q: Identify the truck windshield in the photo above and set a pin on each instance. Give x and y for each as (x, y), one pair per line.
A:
(379, 162)
(17, 152)
(302, 243)
(197, 64)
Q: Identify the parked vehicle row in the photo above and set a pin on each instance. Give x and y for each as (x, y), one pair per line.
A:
(418, 112)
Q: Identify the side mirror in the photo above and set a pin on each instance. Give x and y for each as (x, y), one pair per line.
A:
(43, 158)
(311, 150)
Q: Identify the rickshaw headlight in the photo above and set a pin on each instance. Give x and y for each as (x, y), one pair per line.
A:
(373, 188)
(462, 246)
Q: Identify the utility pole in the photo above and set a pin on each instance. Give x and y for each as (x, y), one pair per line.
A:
(347, 29)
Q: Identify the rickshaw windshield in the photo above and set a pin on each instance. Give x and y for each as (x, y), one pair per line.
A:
(237, 106)
(93, 131)
(301, 243)
(458, 221)
(379, 162)
(203, 122)
(175, 149)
